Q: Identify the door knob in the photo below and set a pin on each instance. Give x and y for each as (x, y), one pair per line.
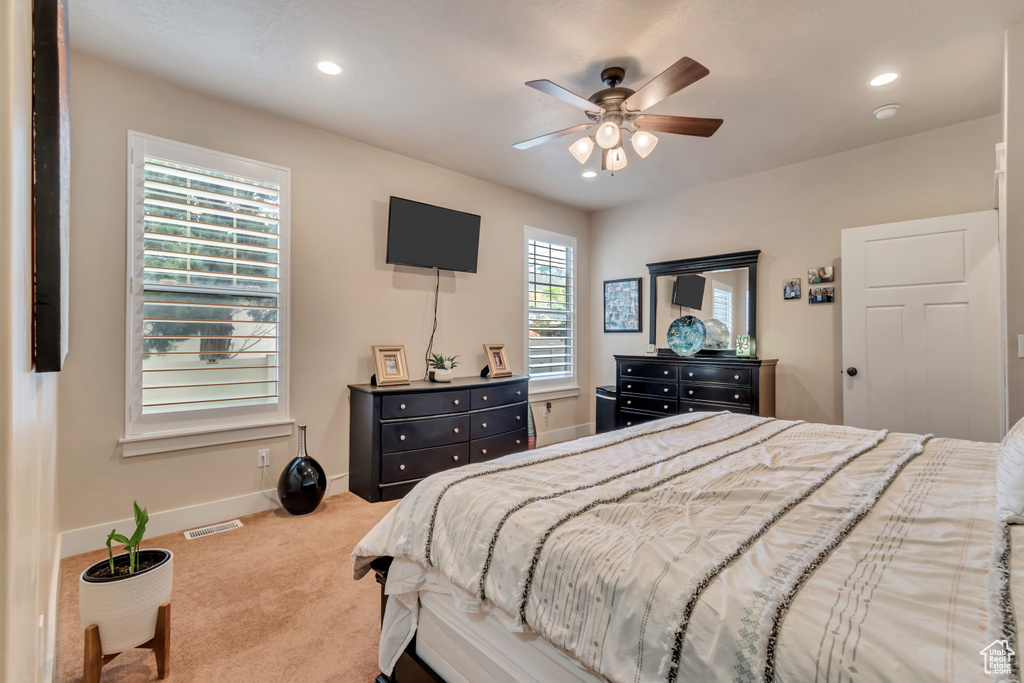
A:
(851, 371)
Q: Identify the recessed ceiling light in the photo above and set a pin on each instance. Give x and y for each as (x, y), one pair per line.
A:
(883, 79)
(329, 68)
(886, 111)
(589, 174)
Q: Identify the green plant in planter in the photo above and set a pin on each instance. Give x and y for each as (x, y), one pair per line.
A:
(131, 545)
(439, 362)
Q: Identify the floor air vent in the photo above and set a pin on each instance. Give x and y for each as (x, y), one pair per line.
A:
(215, 529)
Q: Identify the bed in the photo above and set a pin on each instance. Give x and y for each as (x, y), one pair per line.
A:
(706, 546)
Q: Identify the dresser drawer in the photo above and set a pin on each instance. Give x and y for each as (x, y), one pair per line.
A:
(414, 434)
(629, 419)
(704, 407)
(422, 405)
(499, 395)
(662, 389)
(497, 421)
(421, 463)
(697, 392)
(665, 406)
(649, 371)
(703, 373)
(482, 450)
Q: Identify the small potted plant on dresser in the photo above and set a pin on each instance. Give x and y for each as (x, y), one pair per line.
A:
(441, 368)
(126, 598)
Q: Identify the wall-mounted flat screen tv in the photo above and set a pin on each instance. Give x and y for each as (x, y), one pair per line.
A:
(688, 291)
(429, 236)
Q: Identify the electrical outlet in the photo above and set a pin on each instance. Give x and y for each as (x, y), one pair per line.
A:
(263, 457)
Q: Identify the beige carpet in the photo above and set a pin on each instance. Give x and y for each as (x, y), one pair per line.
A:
(272, 601)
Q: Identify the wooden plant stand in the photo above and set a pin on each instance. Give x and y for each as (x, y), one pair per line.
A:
(160, 644)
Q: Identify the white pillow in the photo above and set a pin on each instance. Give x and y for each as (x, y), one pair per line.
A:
(1010, 477)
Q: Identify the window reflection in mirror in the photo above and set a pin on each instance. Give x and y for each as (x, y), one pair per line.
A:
(725, 301)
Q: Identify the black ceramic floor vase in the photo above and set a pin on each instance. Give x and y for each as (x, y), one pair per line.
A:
(303, 483)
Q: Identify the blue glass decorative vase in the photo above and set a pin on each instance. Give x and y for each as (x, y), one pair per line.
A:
(303, 483)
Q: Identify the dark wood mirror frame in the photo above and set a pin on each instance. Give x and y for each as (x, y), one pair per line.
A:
(739, 259)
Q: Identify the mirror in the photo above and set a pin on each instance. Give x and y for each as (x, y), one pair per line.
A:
(724, 301)
(728, 299)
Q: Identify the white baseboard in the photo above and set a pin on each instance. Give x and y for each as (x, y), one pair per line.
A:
(566, 434)
(83, 540)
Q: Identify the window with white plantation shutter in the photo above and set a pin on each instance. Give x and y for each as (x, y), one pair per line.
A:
(207, 301)
(551, 308)
(721, 304)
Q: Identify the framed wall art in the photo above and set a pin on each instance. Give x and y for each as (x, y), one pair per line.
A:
(623, 305)
(390, 366)
(497, 360)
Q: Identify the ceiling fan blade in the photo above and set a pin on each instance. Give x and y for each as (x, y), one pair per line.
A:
(533, 142)
(680, 125)
(670, 81)
(549, 88)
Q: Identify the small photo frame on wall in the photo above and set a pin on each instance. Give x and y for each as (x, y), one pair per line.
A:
(816, 276)
(390, 366)
(623, 305)
(821, 295)
(497, 360)
(791, 288)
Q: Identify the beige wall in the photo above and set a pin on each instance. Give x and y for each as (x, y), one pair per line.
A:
(1013, 112)
(28, 402)
(794, 216)
(344, 297)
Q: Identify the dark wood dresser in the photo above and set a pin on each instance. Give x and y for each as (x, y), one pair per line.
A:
(400, 434)
(650, 387)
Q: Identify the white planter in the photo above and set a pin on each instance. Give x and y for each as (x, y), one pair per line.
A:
(441, 375)
(126, 609)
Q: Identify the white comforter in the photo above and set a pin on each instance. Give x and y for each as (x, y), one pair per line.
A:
(714, 546)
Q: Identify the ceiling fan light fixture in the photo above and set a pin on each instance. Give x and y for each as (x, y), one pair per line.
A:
(643, 142)
(615, 159)
(608, 135)
(886, 111)
(582, 149)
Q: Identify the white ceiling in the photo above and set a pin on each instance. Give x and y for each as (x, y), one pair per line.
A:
(442, 80)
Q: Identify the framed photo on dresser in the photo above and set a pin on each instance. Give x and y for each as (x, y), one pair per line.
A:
(389, 365)
(497, 360)
(623, 305)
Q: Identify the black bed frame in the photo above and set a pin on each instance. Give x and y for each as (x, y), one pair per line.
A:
(410, 668)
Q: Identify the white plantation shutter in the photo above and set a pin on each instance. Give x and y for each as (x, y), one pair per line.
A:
(208, 283)
(551, 307)
(721, 305)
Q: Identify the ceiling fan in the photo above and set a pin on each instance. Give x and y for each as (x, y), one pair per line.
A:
(614, 109)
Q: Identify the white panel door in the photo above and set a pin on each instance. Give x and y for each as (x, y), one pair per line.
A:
(921, 332)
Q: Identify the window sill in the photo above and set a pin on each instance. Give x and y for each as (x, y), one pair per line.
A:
(177, 441)
(553, 393)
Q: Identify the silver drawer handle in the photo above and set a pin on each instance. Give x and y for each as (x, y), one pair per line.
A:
(665, 407)
(485, 425)
(735, 376)
(519, 393)
(456, 430)
(403, 406)
(402, 437)
(455, 457)
(484, 451)
(629, 403)
(517, 442)
(519, 417)
(666, 372)
(691, 392)
(629, 386)
(456, 401)
(629, 369)
(691, 374)
(737, 396)
(485, 398)
(629, 424)
(666, 390)
(691, 410)
(401, 467)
